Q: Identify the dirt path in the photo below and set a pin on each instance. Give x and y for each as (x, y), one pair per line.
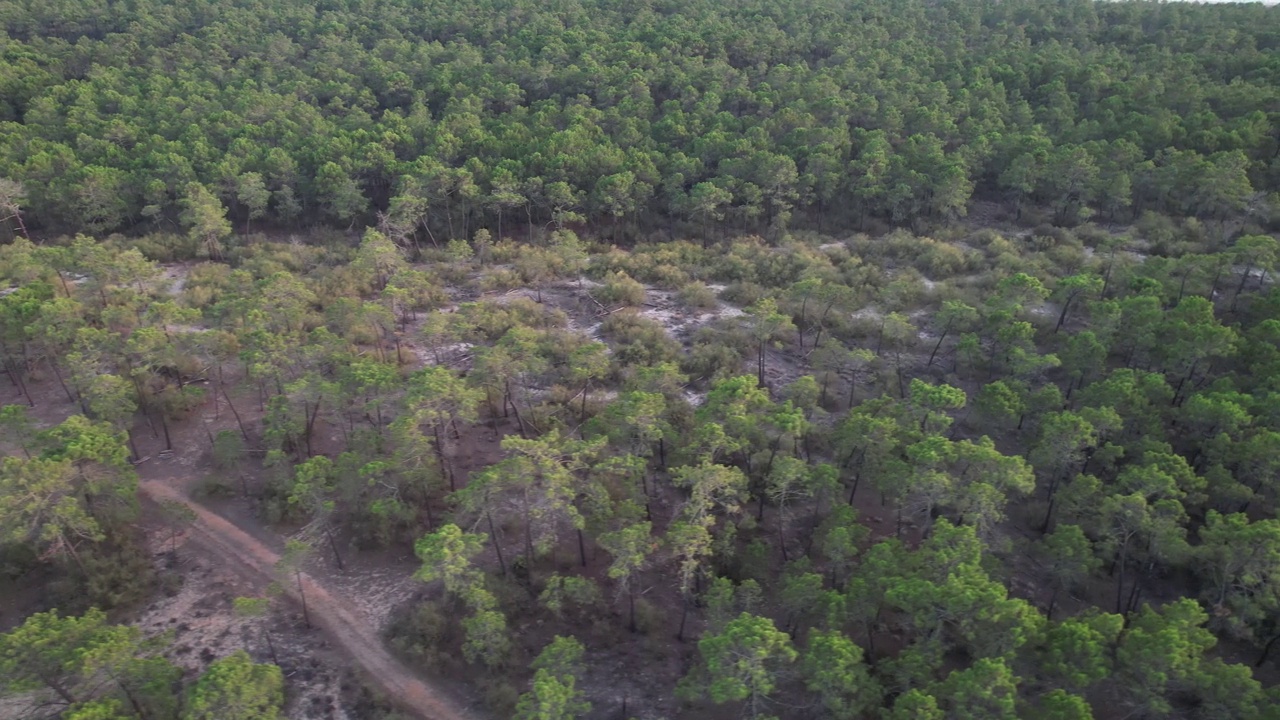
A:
(343, 623)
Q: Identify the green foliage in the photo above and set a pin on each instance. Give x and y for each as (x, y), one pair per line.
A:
(206, 219)
(236, 688)
(1240, 562)
(1121, 374)
(915, 705)
(638, 341)
(741, 662)
(630, 547)
(723, 161)
(97, 710)
(562, 591)
(228, 450)
(446, 556)
(554, 695)
(1068, 558)
(552, 698)
(72, 656)
(1163, 648)
(1077, 652)
(1062, 705)
(833, 668)
(985, 691)
(80, 491)
(620, 289)
(250, 607)
(488, 640)
(698, 296)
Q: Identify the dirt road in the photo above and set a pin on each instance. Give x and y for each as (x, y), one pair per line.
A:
(344, 624)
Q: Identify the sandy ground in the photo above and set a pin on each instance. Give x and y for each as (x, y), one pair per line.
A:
(354, 633)
(199, 616)
(204, 625)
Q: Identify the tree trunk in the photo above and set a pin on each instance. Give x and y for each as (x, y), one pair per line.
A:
(1122, 561)
(1134, 595)
(528, 539)
(804, 322)
(17, 378)
(497, 549)
(1248, 270)
(61, 691)
(1048, 513)
(871, 636)
(938, 345)
(1182, 287)
(164, 424)
(1062, 317)
(760, 365)
(782, 535)
(133, 445)
(333, 545)
(302, 594)
(444, 466)
(311, 424)
(516, 410)
(239, 423)
(133, 701)
(271, 647)
(1266, 650)
(58, 374)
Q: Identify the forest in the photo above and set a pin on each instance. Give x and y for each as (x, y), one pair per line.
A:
(790, 359)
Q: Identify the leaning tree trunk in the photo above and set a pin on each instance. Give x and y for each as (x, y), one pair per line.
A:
(302, 595)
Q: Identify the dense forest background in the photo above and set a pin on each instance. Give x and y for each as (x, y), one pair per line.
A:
(820, 359)
(455, 115)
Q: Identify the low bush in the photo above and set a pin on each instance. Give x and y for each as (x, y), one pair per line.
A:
(639, 340)
(620, 289)
(698, 296)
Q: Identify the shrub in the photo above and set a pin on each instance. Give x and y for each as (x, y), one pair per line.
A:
(499, 279)
(217, 485)
(165, 246)
(428, 634)
(620, 289)
(650, 618)
(489, 320)
(205, 284)
(638, 340)
(984, 237)
(698, 296)
(743, 293)
(1092, 236)
(716, 354)
(667, 276)
(116, 575)
(500, 696)
(939, 260)
(570, 593)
